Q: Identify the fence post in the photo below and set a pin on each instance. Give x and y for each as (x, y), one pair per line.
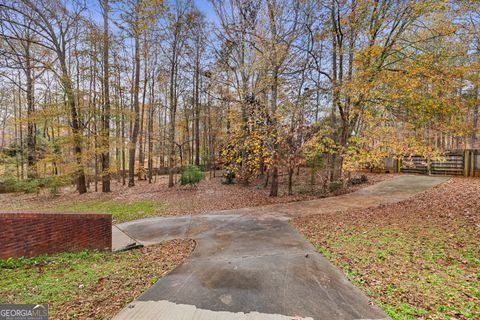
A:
(466, 163)
(475, 157)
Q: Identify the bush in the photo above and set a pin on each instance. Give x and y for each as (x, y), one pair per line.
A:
(228, 176)
(315, 163)
(8, 185)
(54, 183)
(28, 186)
(359, 179)
(191, 175)
(335, 186)
(31, 185)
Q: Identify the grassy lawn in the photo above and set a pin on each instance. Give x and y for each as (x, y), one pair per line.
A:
(93, 285)
(121, 211)
(419, 259)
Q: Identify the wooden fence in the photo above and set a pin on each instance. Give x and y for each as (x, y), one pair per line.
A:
(455, 163)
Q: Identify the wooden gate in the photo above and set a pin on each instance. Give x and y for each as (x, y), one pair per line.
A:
(454, 163)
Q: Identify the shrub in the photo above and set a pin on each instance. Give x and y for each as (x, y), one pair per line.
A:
(359, 179)
(335, 186)
(31, 185)
(54, 183)
(228, 176)
(8, 185)
(28, 186)
(315, 162)
(191, 175)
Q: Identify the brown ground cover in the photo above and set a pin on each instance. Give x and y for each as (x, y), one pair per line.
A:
(89, 285)
(157, 199)
(418, 259)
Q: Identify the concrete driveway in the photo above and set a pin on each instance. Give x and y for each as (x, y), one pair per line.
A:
(250, 264)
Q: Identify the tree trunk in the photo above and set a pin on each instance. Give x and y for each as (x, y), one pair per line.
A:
(76, 128)
(173, 111)
(290, 180)
(106, 106)
(136, 121)
(197, 108)
(31, 128)
(150, 131)
(274, 185)
(15, 120)
(141, 154)
(475, 120)
(334, 159)
(95, 143)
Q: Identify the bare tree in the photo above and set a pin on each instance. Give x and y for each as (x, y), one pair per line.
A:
(177, 28)
(52, 29)
(106, 101)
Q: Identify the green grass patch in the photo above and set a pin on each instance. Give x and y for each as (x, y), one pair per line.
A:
(58, 279)
(390, 254)
(88, 284)
(415, 270)
(121, 211)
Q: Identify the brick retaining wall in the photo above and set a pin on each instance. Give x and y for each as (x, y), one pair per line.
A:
(33, 234)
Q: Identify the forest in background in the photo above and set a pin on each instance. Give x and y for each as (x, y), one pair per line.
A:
(102, 90)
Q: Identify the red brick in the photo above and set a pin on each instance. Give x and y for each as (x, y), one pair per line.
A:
(31, 234)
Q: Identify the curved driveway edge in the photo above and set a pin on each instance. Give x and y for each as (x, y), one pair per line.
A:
(251, 264)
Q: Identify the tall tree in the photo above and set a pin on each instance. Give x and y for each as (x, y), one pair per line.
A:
(52, 29)
(106, 100)
(20, 51)
(282, 32)
(177, 27)
(139, 15)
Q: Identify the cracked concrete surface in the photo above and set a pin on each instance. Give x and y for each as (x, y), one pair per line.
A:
(250, 264)
(173, 311)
